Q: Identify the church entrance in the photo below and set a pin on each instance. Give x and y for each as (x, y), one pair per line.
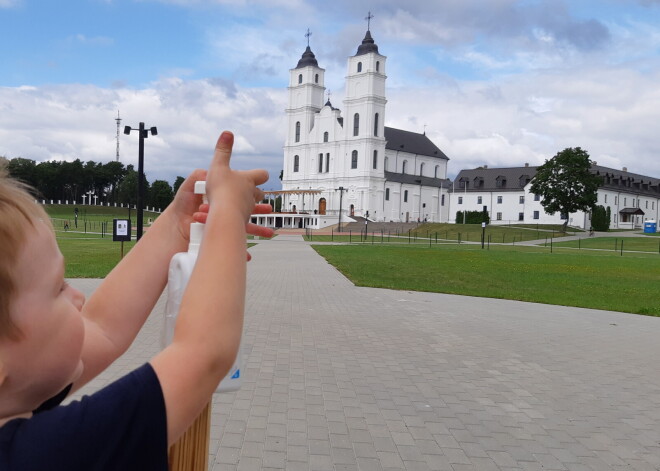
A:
(322, 206)
(352, 210)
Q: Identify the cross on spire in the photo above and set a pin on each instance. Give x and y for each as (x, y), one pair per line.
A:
(307, 35)
(368, 18)
(329, 93)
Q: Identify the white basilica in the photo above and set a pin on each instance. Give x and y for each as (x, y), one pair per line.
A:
(348, 158)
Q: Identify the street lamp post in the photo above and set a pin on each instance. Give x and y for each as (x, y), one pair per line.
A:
(143, 134)
(341, 190)
(419, 212)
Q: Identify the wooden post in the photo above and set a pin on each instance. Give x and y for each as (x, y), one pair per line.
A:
(191, 451)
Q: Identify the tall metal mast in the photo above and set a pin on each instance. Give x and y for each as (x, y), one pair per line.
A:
(118, 119)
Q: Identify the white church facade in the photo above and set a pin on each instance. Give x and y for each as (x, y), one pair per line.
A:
(349, 160)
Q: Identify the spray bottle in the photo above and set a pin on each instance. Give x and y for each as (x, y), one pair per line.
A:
(181, 268)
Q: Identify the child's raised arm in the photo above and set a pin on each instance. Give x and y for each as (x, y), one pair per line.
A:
(210, 321)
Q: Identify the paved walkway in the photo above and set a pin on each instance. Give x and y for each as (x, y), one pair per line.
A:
(346, 378)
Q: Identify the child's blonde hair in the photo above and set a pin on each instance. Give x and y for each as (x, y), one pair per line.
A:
(18, 214)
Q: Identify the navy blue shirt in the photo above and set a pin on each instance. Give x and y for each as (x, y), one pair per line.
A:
(121, 427)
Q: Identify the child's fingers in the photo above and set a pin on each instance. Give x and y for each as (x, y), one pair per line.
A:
(223, 148)
(256, 230)
(262, 208)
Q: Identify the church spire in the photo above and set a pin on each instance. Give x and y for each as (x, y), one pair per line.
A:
(368, 44)
(308, 57)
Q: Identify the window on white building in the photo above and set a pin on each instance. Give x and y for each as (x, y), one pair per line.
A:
(403, 167)
(479, 200)
(325, 136)
(387, 194)
(563, 216)
(376, 125)
(316, 78)
(375, 160)
(460, 200)
(356, 124)
(321, 163)
(327, 162)
(296, 163)
(521, 216)
(499, 200)
(442, 200)
(435, 172)
(299, 78)
(359, 68)
(421, 169)
(605, 198)
(522, 200)
(499, 216)
(297, 131)
(405, 196)
(537, 197)
(536, 214)
(354, 157)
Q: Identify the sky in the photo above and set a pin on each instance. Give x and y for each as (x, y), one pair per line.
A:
(491, 82)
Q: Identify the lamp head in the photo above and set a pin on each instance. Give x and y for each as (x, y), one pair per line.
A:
(127, 129)
(154, 131)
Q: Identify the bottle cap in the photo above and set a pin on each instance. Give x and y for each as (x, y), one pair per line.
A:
(200, 189)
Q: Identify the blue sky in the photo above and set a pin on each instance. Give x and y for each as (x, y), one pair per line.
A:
(495, 82)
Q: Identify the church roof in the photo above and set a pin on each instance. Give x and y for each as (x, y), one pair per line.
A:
(416, 180)
(308, 58)
(412, 142)
(368, 45)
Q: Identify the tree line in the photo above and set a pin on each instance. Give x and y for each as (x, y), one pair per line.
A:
(111, 182)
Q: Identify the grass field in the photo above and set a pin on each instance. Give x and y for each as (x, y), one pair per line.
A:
(93, 216)
(456, 232)
(638, 244)
(90, 256)
(593, 279)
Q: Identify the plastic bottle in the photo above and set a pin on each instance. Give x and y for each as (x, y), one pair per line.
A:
(181, 268)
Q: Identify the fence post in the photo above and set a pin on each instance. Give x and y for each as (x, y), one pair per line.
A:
(622, 247)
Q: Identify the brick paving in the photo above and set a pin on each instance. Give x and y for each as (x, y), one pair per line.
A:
(346, 378)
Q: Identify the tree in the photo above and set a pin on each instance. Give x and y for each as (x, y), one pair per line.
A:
(177, 183)
(566, 184)
(599, 220)
(161, 194)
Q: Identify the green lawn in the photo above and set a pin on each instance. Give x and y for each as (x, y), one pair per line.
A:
(497, 234)
(89, 255)
(93, 216)
(591, 279)
(638, 244)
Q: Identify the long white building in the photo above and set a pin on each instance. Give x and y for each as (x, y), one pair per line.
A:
(504, 193)
(351, 160)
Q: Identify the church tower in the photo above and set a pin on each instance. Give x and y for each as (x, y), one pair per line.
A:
(364, 111)
(306, 92)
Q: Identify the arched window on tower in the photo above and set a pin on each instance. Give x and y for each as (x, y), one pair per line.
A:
(376, 125)
(403, 167)
(299, 78)
(359, 67)
(421, 169)
(387, 194)
(356, 124)
(316, 78)
(385, 164)
(297, 131)
(375, 159)
(354, 156)
(296, 163)
(435, 174)
(325, 136)
(377, 66)
(321, 162)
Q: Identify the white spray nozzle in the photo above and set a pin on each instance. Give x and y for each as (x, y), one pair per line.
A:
(200, 189)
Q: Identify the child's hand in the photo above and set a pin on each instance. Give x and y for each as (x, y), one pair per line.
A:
(234, 190)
